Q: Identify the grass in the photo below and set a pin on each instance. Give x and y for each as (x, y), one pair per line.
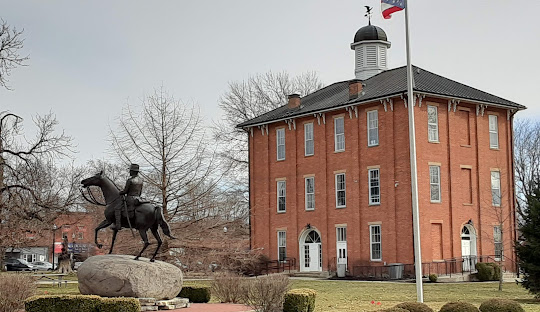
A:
(357, 296)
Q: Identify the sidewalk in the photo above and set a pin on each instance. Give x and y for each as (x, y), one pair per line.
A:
(215, 307)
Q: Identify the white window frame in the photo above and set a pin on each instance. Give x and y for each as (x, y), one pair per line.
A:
(309, 138)
(374, 200)
(496, 187)
(284, 196)
(433, 127)
(372, 242)
(497, 241)
(339, 137)
(310, 193)
(282, 243)
(280, 143)
(344, 190)
(493, 130)
(432, 184)
(373, 124)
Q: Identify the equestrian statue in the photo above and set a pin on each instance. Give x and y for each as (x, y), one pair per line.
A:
(125, 209)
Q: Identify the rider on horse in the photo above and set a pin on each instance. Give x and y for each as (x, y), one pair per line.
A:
(132, 190)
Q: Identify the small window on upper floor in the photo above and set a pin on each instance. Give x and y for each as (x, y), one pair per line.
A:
(496, 188)
(309, 143)
(373, 127)
(281, 196)
(435, 183)
(493, 132)
(374, 187)
(280, 141)
(433, 124)
(339, 134)
(340, 190)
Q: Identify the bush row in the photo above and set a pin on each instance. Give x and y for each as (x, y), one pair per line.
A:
(492, 305)
(488, 271)
(80, 303)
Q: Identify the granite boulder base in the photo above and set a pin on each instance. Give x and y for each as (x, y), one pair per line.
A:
(121, 276)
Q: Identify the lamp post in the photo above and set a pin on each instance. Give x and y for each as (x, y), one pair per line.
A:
(54, 228)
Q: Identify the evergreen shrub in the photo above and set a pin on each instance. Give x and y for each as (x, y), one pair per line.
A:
(458, 307)
(414, 307)
(299, 300)
(500, 305)
(195, 294)
(62, 303)
(433, 278)
(119, 305)
(488, 271)
(394, 309)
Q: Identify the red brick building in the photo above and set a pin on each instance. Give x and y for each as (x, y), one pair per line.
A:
(330, 172)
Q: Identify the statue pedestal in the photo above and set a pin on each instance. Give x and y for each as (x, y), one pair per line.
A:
(121, 276)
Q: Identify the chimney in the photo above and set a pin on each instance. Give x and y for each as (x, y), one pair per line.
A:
(294, 100)
(355, 88)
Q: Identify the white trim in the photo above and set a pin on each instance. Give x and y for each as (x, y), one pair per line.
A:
(435, 124)
(372, 113)
(493, 130)
(282, 246)
(336, 148)
(278, 132)
(341, 245)
(371, 200)
(306, 140)
(496, 187)
(306, 192)
(438, 183)
(497, 240)
(284, 195)
(371, 242)
(344, 190)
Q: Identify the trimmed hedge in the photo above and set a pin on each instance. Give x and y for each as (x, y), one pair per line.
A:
(414, 307)
(433, 278)
(62, 303)
(80, 303)
(195, 294)
(488, 271)
(394, 309)
(300, 300)
(458, 307)
(500, 305)
(119, 305)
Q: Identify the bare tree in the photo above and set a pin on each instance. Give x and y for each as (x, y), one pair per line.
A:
(178, 161)
(248, 99)
(11, 42)
(33, 188)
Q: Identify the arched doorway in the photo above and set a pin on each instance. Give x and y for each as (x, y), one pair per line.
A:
(468, 247)
(310, 251)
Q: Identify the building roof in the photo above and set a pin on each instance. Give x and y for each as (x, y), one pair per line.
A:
(370, 32)
(386, 84)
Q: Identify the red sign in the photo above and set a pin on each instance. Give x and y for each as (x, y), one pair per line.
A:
(57, 247)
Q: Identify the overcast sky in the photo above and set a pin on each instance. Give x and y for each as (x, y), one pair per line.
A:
(87, 58)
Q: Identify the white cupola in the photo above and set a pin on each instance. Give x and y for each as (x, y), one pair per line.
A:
(370, 46)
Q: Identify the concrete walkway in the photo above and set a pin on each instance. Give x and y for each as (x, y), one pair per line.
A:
(215, 307)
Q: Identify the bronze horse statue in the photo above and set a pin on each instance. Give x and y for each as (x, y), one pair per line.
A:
(146, 216)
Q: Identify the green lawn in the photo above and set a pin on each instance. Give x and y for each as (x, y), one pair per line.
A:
(357, 296)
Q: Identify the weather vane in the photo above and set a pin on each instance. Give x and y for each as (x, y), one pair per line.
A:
(368, 13)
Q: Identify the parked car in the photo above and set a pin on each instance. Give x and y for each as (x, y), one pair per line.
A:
(42, 266)
(76, 265)
(18, 265)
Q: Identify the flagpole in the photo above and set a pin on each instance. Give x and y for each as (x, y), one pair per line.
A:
(414, 173)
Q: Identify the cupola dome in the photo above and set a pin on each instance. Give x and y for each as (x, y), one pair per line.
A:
(370, 47)
(370, 32)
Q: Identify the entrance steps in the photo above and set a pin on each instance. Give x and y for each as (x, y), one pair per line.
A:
(323, 274)
(471, 277)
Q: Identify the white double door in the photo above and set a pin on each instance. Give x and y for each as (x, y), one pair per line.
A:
(312, 257)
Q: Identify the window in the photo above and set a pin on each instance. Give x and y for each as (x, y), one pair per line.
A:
(280, 139)
(310, 193)
(373, 128)
(340, 190)
(375, 242)
(374, 187)
(30, 257)
(339, 134)
(435, 183)
(433, 124)
(282, 245)
(281, 193)
(309, 144)
(493, 132)
(497, 239)
(64, 235)
(496, 188)
(80, 235)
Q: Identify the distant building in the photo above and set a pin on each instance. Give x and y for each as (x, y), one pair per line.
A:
(330, 176)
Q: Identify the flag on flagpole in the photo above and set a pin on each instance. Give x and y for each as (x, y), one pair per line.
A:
(390, 6)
